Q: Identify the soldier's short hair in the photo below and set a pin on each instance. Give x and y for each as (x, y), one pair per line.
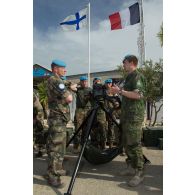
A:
(131, 58)
(52, 66)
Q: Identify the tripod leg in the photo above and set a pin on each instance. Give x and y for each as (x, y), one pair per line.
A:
(88, 131)
(77, 131)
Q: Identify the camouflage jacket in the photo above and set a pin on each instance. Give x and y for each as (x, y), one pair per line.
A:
(83, 99)
(38, 113)
(111, 104)
(133, 110)
(57, 93)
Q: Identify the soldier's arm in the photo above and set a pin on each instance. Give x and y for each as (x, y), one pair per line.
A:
(39, 108)
(136, 93)
(130, 94)
(59, 89)
(71, 86)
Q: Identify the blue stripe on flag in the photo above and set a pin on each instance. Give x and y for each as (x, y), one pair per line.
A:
(78, 19)
(134, 14)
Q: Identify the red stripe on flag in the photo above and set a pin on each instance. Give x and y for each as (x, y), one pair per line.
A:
(115, 21)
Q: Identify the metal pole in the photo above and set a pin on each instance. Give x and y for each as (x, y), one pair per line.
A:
(89, 44)
(141, 40)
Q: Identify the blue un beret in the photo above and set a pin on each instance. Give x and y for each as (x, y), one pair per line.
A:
(59, 63)
(96, 78)
(83, 78)
(108, 81)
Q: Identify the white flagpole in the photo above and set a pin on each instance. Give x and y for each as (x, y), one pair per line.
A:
(141, 40)
(89, 44)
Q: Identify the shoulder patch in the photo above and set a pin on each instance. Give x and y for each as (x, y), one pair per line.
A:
(61, 86)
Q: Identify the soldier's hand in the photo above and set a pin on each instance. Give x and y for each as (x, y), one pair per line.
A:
(116, 105)
(73, 87)
(115, 89)
(69, 99)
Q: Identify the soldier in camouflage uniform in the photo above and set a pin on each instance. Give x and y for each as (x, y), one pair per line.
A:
(83, 106)
(132, 117)
(100, 126)
(110, 106)
(38, 123)
(58, 99)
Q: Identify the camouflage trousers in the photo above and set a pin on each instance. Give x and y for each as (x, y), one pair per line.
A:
(38, 137)
(80, 116)
(99, 129)
(131, 138)
(110, 133)
(56, 146)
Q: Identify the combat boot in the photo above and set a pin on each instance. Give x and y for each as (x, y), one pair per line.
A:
(137, 179)
(56, 182)
(61, 172)
(128, 171)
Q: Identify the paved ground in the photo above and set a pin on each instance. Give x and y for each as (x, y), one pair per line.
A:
(103, 179)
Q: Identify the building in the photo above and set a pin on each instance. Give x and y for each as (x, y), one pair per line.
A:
(40, 74)
(114, 74)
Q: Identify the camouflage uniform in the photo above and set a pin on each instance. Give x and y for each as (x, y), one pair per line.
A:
(101, 120)
(132, 117)
(58, 118)
(98, 135)
(110, 124)
(83, 106)
(38, 118)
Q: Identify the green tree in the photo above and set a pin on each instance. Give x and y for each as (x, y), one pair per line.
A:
(42, 90)
(153, 72)
(160, 35)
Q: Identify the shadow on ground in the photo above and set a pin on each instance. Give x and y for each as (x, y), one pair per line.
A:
(152, 183)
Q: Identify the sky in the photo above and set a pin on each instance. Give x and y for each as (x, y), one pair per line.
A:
(108, 48)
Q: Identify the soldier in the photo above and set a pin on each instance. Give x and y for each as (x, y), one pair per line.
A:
(58, 99)
(83, 105)
(100, 130)
(111, 107)
(38, 123)
(132, 117)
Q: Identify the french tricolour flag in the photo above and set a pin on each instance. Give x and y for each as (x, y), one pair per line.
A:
(128, 16)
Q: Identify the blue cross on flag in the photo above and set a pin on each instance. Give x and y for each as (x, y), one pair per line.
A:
(75, 22)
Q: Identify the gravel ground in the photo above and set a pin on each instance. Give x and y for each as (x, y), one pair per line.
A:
(102, 179)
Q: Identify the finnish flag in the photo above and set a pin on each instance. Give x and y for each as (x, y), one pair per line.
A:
(76, 21)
